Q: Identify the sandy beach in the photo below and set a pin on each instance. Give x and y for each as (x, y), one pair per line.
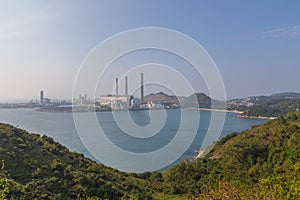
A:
(220, 110)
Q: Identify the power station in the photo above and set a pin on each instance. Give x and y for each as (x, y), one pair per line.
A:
(122, 102)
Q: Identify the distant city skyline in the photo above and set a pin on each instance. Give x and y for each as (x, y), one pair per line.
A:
(255, 44)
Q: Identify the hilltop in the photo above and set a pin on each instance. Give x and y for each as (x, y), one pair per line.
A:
(162, 97)
(286, 95)
(260, 163)
(201, 100)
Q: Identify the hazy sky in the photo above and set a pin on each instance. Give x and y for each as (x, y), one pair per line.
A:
(255, 44)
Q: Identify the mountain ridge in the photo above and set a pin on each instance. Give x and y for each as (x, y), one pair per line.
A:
(196, 100)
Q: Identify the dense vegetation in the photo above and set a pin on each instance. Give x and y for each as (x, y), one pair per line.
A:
(273, 108)
(261, 163)
(266, 106)
(4, 186)
(38, 167)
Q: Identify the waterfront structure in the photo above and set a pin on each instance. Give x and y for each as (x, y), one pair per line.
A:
(113, 102)
(136, 103)
(80, 99)
(46, 102)
(42, 97)
(121, 102)
(85, 99)
(129, 99)
(117, 87)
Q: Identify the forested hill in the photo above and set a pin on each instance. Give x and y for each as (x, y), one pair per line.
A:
(196, 100)
(273, 108)
(267, 106)
(201, 100)
(38, 167)
(260, 163)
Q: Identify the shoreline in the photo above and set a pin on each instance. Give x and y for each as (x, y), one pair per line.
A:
(204, 109)
(220, 110)
(93, 110)
(217, 110)
(256, 117)
(238, 112)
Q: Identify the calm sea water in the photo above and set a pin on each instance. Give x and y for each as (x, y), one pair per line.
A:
(62, 128)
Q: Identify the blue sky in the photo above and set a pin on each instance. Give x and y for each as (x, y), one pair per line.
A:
(255, 44)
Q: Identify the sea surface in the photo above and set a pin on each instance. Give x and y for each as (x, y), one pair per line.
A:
(62, 128)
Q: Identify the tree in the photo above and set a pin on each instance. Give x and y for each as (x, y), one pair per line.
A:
(4, 189)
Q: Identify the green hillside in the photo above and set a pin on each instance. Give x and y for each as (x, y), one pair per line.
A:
(41, 168)
(273, 108)
(260, 163)
(274, 105)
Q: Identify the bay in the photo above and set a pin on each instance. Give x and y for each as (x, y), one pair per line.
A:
(62, 128)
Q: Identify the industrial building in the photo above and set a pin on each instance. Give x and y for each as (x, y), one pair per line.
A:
(120, 102)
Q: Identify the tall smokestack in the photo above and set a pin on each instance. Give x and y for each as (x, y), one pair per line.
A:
(117, 87)
(142, 87)
(126, 86)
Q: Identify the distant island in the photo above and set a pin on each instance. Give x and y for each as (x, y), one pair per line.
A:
(260, 163)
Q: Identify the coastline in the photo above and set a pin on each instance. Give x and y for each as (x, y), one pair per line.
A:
(256, 117)
(237, 112)
(220, 110)
(204, 109)
(217, 110)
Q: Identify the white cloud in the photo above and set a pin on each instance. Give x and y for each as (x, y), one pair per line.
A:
(282, 32)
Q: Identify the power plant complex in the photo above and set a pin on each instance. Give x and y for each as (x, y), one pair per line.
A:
(107, 102)
(114, 101)
(122, 102)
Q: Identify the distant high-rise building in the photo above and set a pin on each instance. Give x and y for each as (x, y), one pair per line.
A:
(142, 88)
(80, 99)
(85, 98)
(117, 87)
(42, 96)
